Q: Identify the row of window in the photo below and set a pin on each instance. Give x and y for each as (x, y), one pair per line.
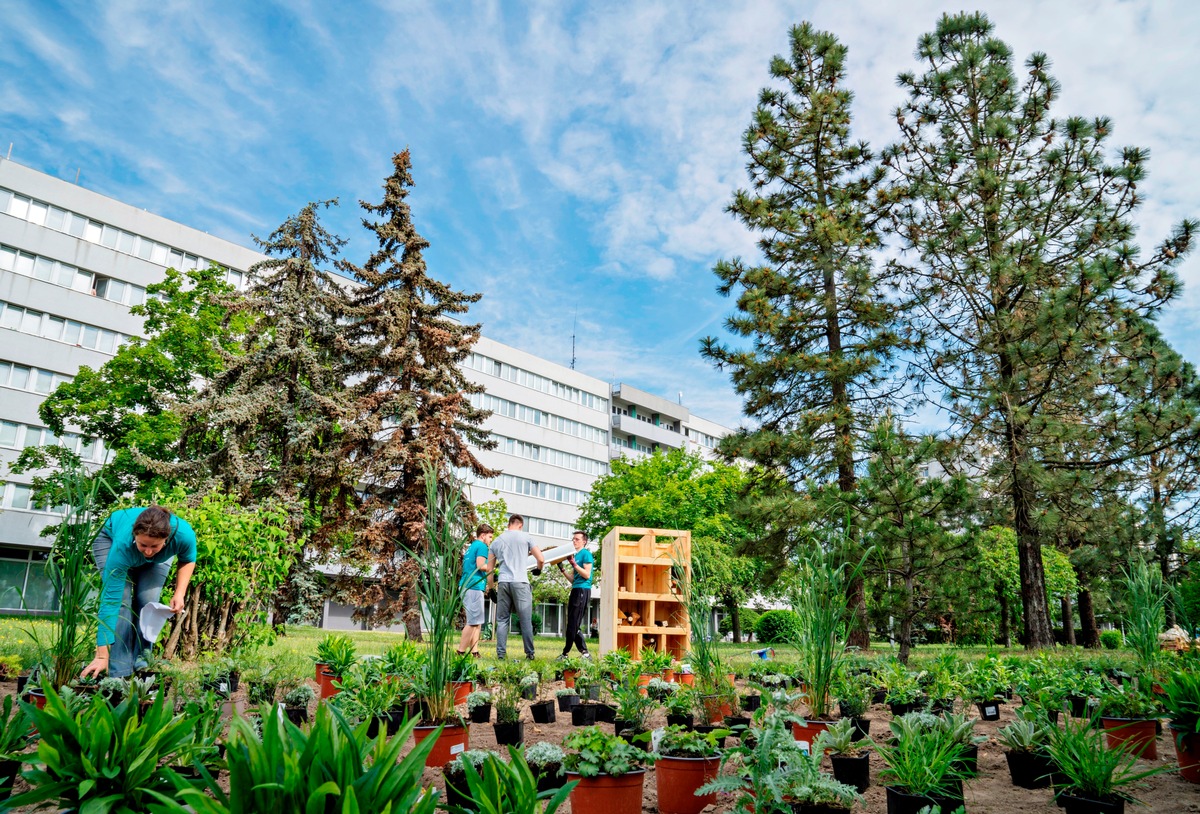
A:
(72, 223)
(20, 496)
(633, 413)
(529, 415)
(68, 276)
(20, 436)
(630, 443)
(60, 329)
(554, 457)
(704, 439)
(549, 528)
(23, 581)
(33, 379)
(534, 381)
(533, 488)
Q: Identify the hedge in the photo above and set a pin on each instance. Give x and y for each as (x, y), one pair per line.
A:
(777, 627)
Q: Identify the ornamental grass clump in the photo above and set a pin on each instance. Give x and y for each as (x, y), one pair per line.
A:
(820, 605)
(1145, 615)
(1086, 767)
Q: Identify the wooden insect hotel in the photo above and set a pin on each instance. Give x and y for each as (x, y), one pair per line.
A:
(640, 606)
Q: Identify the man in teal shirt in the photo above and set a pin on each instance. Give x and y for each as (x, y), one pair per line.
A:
(134, 551)
(581, 594)
(473, 583)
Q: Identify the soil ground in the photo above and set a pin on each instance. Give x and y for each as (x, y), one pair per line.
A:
(990, 793)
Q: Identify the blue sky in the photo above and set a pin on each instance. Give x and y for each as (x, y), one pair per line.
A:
(570, 159)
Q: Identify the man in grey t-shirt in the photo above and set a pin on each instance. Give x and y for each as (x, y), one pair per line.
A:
(506, 559)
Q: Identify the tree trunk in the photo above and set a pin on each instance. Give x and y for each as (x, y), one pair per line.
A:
(1068, 623)
(1089, 633)
(411, 605)
(735, 620)
(1005, 627)
(905, 637)
(1035, 609)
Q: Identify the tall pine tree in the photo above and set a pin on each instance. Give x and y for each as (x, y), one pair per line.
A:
(822, 331)
(1029, 287)
(404, 352)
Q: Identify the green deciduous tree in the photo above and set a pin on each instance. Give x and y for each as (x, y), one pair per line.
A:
(999, 559)
(1022, 265)
(410, 402)
(822, 331)
(680, 490)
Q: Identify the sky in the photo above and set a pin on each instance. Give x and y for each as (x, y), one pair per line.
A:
(573, 161)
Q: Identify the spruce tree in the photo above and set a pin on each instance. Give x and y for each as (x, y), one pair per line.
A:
(404, 353)
(1022, 265)
(822, 333)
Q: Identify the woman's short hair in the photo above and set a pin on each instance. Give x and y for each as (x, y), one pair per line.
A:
(154, 521)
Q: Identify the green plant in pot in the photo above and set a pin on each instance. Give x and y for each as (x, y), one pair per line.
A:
(296, 702)
(679, 705)
(1090, 777)
(454, 773)
(847, 754)
(923, 766)
(853, 692)
(1181, 699)
(1025, 741)
(902, 687)
(479, 706)
(633, 708)
(1146, 614)
(820, 606)
(506, 698)
(499, 787)
(654, 662)
(686, 761)
(608, 769)
(961, 729)
(441, 597)
(16, 732)
(714, 694)
(367, 697)
(1130, 715)
(545, 760)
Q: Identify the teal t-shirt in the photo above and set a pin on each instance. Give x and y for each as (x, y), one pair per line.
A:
(124, 555)
(473, 579)
(583, 557)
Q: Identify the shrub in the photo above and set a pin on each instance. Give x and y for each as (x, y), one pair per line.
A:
(777, 627)
(1111, 639)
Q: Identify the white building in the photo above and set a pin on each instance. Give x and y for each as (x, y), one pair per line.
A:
(72, 262)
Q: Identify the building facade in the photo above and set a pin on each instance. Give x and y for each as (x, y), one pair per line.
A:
(72, 264)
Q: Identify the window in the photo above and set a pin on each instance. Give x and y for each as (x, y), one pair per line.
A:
(43, 382)
(21, 495)
(8, 434)
(37, 213)
(19, 207)
(23, 581)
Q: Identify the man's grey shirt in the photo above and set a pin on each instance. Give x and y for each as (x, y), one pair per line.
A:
(512, 550)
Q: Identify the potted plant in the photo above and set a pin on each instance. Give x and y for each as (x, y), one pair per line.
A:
(200, 752)
(654, 664)
(659, 690)
(608, 770)
(545, 760)
(902, 688)
(463, 673)
(922, 767)
(15, 734)
(961, 729)
(529, 685)
(340, 656)
(508, 787)
(1130, 716)
(1025, 741)
(633, 708)
(542, 708)
(679, 706)
(479, 706)
(441, 597)
(296, 702)
(454, 773)
(848, 755)
(570, 666)
(1090, 778)
(366, 696)
(686, 761)
(1181, 697)
(567, 697)
(853, 692)
(506, 698)
(981, 688)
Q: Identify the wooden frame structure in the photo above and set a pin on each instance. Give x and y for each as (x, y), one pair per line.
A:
(639, 593)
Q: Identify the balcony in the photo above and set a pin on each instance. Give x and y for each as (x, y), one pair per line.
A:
(653, 433)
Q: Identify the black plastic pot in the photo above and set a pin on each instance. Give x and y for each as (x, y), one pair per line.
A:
(706, 728)
(942, 707)
(905, 708)
(1086, 805)
(606, 713)
(879, 697)
(390, 721)
(629, 730)
(529, 693)
(968, 764)
(1029, 770)
(685, 721)
(510, 734)
(21, 682)
(751, 702)
(853, 770)
(1081, 706)
(549, 777)
(481, 714)
(818, 808)
(565, 702)
(862, 728)
(457, 796)
(9, 769)
(543, 712)
(584, 714)
(297, 715)
(989, 710)
(738, 723)
(899, 802)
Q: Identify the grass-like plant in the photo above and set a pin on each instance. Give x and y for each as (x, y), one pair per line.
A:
(499, 787)
(703, 654)
(820, 604)
(1181, 698)
(923, 761)
(1145, 613)
(437, 585)
(1087, 766)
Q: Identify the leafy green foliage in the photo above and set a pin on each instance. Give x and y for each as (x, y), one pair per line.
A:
(1145, 616)
(338, 651)
(678, 741)
(497, 787)
(1181, 698)
(778, 626)
(923, 760)
(15, 728)
(592, 752)
(823, 624)
(1088, 767)
(102, 758)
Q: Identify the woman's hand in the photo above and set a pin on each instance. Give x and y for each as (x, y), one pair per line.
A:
(176, 602)
(99, 665)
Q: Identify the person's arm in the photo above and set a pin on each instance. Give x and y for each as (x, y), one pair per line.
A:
(584, 570)
(182, 578)
(537, 555)
(112, 591)
(482, 565)
(491, 561)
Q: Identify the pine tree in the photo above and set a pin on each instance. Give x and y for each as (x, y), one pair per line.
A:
(822, 330)
(404, 353)
(267, 426)
(1029, 286)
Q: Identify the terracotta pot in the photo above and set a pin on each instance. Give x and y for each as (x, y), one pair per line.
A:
(677, 779)
(1187, 748)
(319, 668)
(607, 794)
(668, 675)
(328, 690)
(807, 732)
(461, 690)
(1132, 734)
(38, 696)
(687, 679)
(569, 678)
(715, 709)
(453, 741)
(644, 682)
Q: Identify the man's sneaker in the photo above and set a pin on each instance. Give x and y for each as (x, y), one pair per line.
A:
(562, 657)
(529, 658)
(587, 656)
